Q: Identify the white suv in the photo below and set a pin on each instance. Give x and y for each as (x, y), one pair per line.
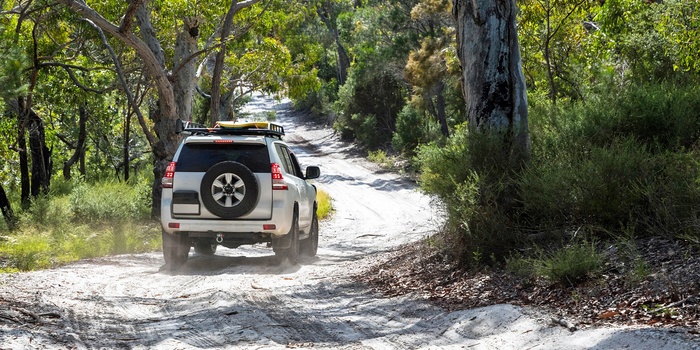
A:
(236, 184)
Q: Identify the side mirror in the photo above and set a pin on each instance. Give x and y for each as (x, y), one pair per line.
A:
(179, 127)
(313, 172)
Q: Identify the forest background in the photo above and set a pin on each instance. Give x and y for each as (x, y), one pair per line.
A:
(612, 88)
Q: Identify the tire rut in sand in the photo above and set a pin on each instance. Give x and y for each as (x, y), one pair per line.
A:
(294, 322)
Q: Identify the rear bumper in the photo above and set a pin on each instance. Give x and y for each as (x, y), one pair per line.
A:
(282, 216)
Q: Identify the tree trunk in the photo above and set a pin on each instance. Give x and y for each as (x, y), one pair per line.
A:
(214, 108)
(492, 75)
(81, 163)
(80, 146)
(147, 47)
(41, 156)
(23, 158)
(441, 114)
(6, 209)
(329, 19)
(185, 80)
(127, 138)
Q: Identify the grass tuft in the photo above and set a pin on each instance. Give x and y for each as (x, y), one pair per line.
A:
(77, 221)
(325, 206)
(571, 265)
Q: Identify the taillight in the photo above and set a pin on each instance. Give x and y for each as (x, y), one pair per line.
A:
(278, 182)
(167, 180)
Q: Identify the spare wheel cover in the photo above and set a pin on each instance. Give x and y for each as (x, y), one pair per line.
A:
(229, 190)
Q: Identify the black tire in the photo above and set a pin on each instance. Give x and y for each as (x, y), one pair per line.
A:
(205, 248)
(309, 246)
(176, 250)
(290, 253)
(229, 190)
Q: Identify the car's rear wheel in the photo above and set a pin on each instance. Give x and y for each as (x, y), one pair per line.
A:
(290, 251)
(205, 248)
(309, 246)
(229, 190)
(176, 250)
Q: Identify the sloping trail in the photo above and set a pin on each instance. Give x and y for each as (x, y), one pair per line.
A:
(241, 299)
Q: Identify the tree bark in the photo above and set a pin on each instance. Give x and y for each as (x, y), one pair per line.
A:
(441, 105)
(185, 80)
(6, 209)
(125, 146)
(23, 158)
(41, 156)
(492, 76)
(80, 145)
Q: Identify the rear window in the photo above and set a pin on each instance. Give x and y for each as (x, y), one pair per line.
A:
(199, 157)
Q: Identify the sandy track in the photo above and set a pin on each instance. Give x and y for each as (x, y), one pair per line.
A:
(241, 299)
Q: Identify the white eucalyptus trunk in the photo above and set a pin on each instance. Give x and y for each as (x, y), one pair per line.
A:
(185, 81)
(492, 76)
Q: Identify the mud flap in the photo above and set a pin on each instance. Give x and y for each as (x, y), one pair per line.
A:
(281, 242)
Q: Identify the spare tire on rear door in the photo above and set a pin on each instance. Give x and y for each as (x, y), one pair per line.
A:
(229, 190)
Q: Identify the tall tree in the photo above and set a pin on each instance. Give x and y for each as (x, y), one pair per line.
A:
(329, 11)
(427, 68)
(553, 33)
(148, 48)
(492, 75)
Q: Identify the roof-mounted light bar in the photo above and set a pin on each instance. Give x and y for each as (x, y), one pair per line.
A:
(231, 128)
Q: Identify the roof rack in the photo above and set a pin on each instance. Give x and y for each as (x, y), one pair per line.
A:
(269, 129)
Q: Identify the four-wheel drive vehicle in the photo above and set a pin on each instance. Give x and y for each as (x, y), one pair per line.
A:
(236, 184)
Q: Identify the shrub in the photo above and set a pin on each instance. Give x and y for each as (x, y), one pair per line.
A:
(410, 131)
(570, 265)
(108, 201)
(474, 178)
(46, 211)
(619, 160)
(367, 106)
(623, 161)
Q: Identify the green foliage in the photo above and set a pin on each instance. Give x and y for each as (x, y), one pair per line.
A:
(626, 160)
(12, 63)
(33, 248)
(109, 200)
(368, 106)
(622, 160)
(649, 40)
(478, 189)
(551, 33)
(567, 265)
(664, 116)
(412, 130)
(570, 265)
(72, 224)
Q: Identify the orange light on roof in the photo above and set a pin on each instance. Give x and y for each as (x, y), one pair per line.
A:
(223, 141)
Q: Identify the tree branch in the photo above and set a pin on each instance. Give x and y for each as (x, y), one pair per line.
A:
(153, 67)
(129, 95)
(69, 69)
(128, 19)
